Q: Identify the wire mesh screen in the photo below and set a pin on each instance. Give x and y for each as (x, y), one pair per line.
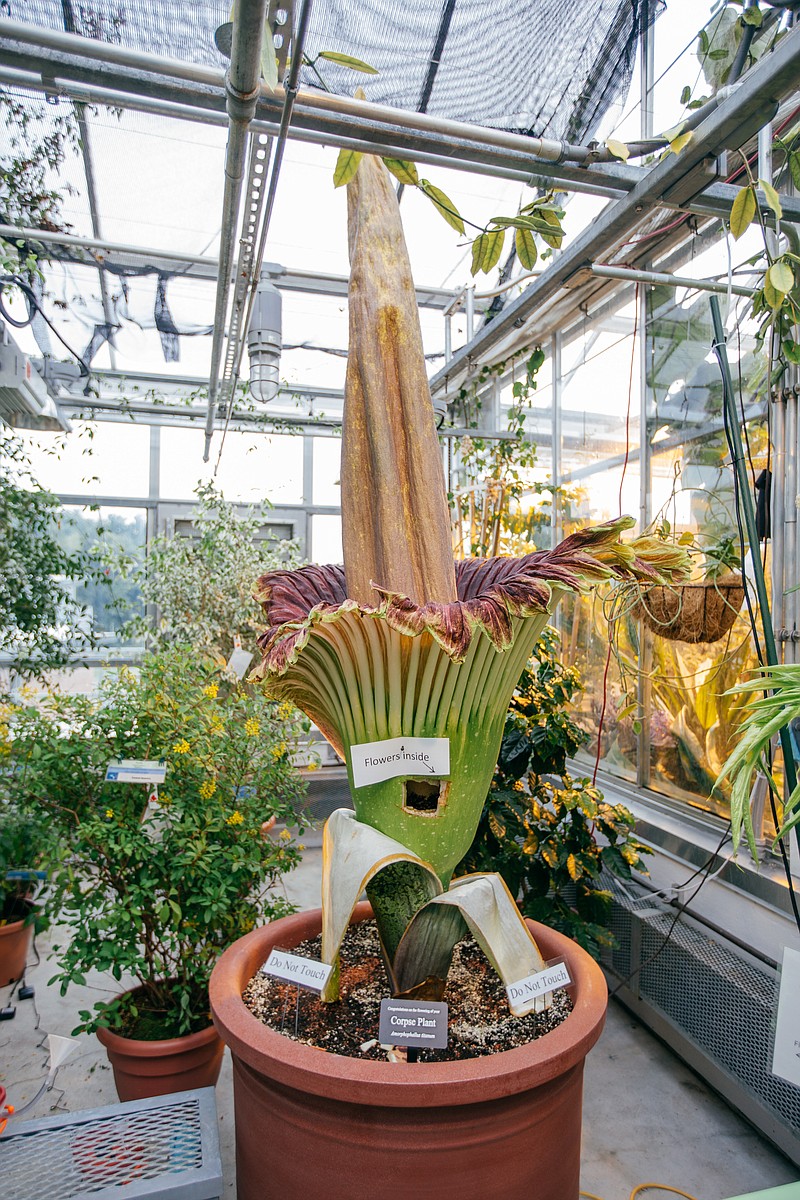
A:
(722, 1001)
(102, 1152)
(547, 67)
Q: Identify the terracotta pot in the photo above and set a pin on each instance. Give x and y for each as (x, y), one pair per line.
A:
(156, 1068)
(15, 942)
(315, 1125)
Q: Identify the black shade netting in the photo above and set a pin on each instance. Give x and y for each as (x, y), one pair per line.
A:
(545, 67)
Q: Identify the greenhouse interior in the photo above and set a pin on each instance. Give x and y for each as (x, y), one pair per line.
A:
(400, 599)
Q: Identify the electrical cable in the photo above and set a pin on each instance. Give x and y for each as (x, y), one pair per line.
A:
(718, 346)
(662, 1187)
(644, 1187)
(33, 301)
(681, 908)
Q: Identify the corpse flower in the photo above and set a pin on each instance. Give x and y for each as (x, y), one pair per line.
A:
(403, 643)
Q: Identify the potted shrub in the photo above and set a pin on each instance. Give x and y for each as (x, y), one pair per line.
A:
(152, 889)
(399, 643)
(27, 850)
(548, 834)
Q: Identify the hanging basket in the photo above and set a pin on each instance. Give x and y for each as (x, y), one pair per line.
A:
(692, 612)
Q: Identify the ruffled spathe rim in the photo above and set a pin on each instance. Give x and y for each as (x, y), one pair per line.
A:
(491, 592)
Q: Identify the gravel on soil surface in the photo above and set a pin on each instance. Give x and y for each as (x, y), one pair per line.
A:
(480, 1021)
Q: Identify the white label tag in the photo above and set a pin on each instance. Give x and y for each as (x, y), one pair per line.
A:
(539, 984)
(136, 770)
(239, 661)
(305, 972)
(786, 1056)
(376, 761)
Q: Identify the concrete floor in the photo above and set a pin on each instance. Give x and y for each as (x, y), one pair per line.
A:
(647, 1117)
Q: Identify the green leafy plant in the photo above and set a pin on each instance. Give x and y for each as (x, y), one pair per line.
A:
(28, 850)
(550, 835)
(201, 585)
(41, 625)
(403, 642)
(773, 695)
(157, 889)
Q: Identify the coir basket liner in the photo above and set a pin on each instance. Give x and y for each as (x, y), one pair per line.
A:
(315, 1125)
(692, 612)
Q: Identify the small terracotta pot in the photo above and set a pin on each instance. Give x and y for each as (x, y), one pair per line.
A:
(156, 1068)
(316, 1125)
(15, 942)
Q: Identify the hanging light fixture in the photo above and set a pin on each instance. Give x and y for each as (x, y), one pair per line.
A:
(264, 343)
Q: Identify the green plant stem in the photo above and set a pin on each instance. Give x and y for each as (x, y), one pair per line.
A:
(740, 467)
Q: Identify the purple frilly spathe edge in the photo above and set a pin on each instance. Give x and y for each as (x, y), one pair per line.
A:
(490, 593)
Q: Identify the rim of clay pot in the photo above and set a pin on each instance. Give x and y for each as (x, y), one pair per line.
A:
(338, 1077)
(153, 1047)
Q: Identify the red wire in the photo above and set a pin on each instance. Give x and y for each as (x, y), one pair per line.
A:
(604, 707)
(733, 175)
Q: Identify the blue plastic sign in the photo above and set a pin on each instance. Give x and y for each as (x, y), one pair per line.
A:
(136, 770)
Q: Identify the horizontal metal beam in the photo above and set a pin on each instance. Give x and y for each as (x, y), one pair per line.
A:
(288, 279)
(603, 271)
(726, 128)
(179, 100)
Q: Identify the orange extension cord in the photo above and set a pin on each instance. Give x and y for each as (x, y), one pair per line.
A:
(645, 1187)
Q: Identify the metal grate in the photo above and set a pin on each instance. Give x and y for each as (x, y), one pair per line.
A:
(717, 998)
(162, 1147)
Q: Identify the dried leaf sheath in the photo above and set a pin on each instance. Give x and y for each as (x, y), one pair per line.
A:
(395, 521)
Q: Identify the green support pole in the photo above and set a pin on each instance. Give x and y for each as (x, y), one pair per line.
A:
(746, 497)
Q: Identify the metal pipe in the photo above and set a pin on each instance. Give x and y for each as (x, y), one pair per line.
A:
(746, 500)
(603, 271)
(285, 278)
(644, 690)
(555, 449)
(277, 159)
(777, 509)
(774, 75)
(242, 90)
(470, 310)
(612, 179)
(790, 561)
(94, 214)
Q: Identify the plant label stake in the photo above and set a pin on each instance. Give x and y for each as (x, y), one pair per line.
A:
(540, 983)
(240, 660)
(414, 1024)
(136, 770)
(293, 968)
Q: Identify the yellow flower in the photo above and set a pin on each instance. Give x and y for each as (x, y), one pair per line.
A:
(109, 813)
(285, 710)
(207, 788)
(181, 747)
(313, 765)
(278, 751)
(211, 691)
(251, 727)
(285, 836)
(235, 818)
(217, 725)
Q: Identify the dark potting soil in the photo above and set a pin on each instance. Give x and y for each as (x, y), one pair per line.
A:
(480, 1021)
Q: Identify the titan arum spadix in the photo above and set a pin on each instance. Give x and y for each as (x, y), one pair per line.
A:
(404, 643)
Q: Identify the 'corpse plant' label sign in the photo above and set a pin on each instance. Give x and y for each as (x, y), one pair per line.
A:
(293, 968)
(136, 770)
(413, 1023)
(539, 984)
(375, 761)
